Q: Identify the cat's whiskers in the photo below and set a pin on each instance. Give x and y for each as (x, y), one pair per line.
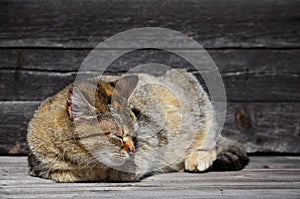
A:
(95, 163)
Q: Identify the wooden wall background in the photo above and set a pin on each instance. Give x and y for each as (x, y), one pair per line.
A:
(255, 44)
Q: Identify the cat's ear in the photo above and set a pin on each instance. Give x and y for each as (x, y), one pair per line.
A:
(77, 104)
(126, 85)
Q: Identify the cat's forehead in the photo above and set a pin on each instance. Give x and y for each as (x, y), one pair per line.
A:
(109, 125)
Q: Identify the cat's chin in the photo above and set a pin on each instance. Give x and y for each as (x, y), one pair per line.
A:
(116, 163)
(118, 158)
(115, 159)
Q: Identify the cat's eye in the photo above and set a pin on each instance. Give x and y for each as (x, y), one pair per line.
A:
(115, 138)
(116, 141)
(118, 136)
(114, 134)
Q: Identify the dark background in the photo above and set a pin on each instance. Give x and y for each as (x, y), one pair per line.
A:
(254, 43)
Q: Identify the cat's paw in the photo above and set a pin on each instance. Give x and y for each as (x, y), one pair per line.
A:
(200, 161)
(233, 158)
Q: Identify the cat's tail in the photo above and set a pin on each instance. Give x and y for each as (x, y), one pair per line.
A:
(231, 156)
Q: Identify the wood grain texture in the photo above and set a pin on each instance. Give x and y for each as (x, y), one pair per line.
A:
(240, 86)
(262, 127)
(13, 125)
(214, 24)
(227, 60)
(249, 75)
(260, 179)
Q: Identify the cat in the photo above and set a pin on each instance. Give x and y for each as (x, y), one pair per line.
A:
(125, 128)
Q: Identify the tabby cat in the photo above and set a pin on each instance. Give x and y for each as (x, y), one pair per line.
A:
(124, 128)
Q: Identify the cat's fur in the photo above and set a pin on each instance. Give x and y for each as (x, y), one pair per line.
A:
(131, 127)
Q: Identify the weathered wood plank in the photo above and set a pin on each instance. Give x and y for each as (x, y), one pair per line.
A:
(274, 162)
(32, 85)
(240, 86)
(229, 60)
(250, 182)
(214, 24)
(266, 75)
(42, 59)
(13, 125)
(205, 194)
(18, 164)
(262, 127)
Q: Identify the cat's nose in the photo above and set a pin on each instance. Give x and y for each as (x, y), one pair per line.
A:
(128, 145)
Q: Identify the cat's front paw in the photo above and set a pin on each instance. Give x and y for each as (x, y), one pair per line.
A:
(200, 161)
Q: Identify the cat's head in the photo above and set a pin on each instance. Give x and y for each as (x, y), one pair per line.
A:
(103, 119)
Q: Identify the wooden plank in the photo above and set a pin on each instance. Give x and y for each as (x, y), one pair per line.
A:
(42, 59)
(227, 60)
(13, 128)
(262, 127)
(266, 75)
(214, 24)
(32, 85)
(18, 164)
(20, 85)
(274, 162)
(228, 193)
(250, 182)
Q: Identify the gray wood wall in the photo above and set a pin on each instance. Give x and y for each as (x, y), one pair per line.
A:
(255, 44)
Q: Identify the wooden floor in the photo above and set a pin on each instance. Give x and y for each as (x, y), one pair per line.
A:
(264, 177)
